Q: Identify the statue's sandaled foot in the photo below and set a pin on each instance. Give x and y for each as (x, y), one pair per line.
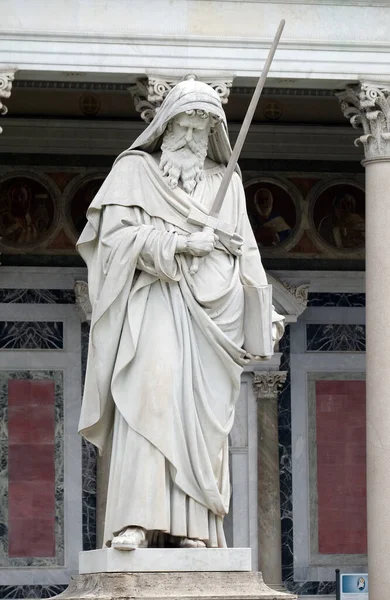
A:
(191, 543)
(130, 539)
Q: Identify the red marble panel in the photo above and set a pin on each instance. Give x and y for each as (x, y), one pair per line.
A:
(31, 538)
(341, 467)
(32, 499)
(33, 426)
(30, 392)
(31, 470)
(30, 462)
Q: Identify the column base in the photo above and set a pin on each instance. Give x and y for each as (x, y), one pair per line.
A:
(172, 586)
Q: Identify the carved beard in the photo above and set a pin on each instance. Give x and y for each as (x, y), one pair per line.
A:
(182, 161)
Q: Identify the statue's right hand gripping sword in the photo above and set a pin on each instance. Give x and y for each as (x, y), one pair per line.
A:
(211, 221)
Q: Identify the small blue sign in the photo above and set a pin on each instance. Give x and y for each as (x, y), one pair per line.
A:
(354, 586)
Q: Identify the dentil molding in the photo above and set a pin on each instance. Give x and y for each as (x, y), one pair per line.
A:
(368, 106)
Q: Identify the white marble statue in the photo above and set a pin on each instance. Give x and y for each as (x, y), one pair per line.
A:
(167, 348)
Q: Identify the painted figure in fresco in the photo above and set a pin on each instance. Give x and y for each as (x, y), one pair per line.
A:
(167, 346)
(22, 219)
(344, 227)
(272, 228)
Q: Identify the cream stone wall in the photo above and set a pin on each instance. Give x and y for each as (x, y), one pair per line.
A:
(325, 40)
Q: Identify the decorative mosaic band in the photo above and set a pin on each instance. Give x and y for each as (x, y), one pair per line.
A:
(335, 337)
(31, 335)
(342, 299)
(29, 296)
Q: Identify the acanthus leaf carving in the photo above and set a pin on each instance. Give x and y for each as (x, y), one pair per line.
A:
(139, 92)
(149, 94)
(6, 79)
(267, 384)
(368, 106)
(300, 292)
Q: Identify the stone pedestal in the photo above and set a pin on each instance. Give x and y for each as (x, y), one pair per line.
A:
(160, 560)
(172, 586)
(169, 574)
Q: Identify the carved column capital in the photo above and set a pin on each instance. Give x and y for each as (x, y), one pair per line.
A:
(367, 106)
(6, 78)
(149, 93)
(267, 384)
(83, 303)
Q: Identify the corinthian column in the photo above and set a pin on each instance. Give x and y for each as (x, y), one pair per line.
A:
(368, 106)
(267, 385)
(148, 94)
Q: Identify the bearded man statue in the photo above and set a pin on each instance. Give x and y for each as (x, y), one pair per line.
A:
(167, 347)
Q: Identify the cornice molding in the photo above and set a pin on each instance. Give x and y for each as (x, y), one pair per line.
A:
(131, 55)
(304, 3)
(158, 39)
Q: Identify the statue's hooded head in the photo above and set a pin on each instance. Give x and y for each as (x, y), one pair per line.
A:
(193, 98)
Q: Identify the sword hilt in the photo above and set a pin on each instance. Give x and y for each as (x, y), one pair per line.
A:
(196, 259)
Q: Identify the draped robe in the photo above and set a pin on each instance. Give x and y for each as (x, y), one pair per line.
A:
(166, 349)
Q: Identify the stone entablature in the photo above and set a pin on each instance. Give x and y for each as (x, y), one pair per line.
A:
(195, 36)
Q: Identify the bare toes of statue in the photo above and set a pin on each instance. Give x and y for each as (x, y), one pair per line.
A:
(191, 543)
(130, 539)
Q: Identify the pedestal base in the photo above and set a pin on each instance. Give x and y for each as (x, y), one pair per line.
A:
(172, 586)
(164, 560)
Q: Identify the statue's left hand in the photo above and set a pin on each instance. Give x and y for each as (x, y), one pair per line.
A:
(254, 358)
(233, 244)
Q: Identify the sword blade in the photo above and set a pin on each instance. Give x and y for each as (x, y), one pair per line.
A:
(219, 198)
